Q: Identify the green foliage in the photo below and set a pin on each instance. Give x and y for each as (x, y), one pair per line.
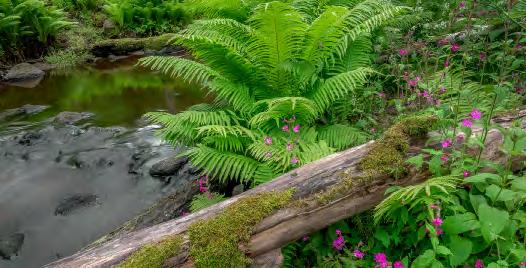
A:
(153, 256)
(214, 242)
(275, 80)
(28, 25)
(205, 200)
(66, 58)
(146, 17)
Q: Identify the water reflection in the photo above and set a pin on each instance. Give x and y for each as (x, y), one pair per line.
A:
(116, 92)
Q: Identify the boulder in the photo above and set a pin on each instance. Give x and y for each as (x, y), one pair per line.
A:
(11, 245)
(70, 118)
(74, 202)
(168, 167)
(23, 72)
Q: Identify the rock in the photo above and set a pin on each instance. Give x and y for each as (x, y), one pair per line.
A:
(240, 188)
(23, 72)
(137, 53)
(29, 138)
(27, 109)
(70, 118)
(11, 245)
(169, 166)
(71, 203)
(108, 25)
(44, 66)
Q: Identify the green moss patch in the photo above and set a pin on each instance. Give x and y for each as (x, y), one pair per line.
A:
(215, 242)
(153, 256)
(388, 153)
(126, 45)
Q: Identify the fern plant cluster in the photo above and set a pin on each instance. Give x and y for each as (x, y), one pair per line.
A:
(275, 80)
(28, 25)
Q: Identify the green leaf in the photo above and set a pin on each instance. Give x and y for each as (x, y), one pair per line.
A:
(443, 251)
(424, 260)
(492, 221)
(417, 160)
(383, 236)
(461, 249)
(495, 193)
(460, 223)
(519, 184)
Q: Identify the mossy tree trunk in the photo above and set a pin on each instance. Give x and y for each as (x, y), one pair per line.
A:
(326, 191)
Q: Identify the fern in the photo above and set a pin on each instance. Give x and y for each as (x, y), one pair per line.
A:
(205, 200)
(284, 68)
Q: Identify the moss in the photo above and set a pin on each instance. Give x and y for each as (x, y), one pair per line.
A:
(387, 154)
(153, 256)
(215, 242)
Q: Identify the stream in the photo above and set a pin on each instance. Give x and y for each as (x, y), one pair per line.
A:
(75, 157)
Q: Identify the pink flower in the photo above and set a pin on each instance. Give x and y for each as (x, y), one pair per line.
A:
(455, 47)
(358, 254)
(467, 123)
(373, 130)
(296, 128)
(446, 63)
(476, 114)
(294, 160)
(479, 264)
(268, 154)
(462, 5)
(446, 143)
(482, 56)
(443, 42)
(268, 140)
(437, 222)
(305, 237)
(402, 52)
(522, 264)
(290, 146)
(426, 94)
(460, 138)
(466, 173)
(202, 184)
(439, 231)
(413, 83)
(444, 158)
(443, 89)
(380, 257)
(433, 206)
(339, 242)
(285, 128)
(398, 264)
(381, 95)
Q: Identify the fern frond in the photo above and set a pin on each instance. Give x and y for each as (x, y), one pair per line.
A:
(237, 95)
(341, 136)
(205, 200)
(188, 70)
(223, 166)
(277, 109)
(431, 188)
(339, 86)
(221, 130)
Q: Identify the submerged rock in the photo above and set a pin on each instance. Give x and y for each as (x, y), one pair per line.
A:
(23, 72)
(11, 245)
(168, 167)
(71, 203)
(70, 118)
(27, 109)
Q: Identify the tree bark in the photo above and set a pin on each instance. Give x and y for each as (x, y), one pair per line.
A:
(288, 224)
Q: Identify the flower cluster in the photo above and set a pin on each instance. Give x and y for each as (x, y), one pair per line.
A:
(437, 221)
(203, 182)
(339, 242)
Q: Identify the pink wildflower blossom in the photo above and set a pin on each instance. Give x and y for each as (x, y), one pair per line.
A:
(446, 63)
(402, 52)
(358, 254)
(455, 47)
(339, 242)
(413, 83)
(460, 138)
(433, 206)
(482, 56)
(467, 123)
(437, 222)
(268, 140)
(398, 264)
(466, 173)
(476, 114)
(479, 264)
(446, 143)
(462, 5)
(338, 232)
(380, 257)
(202, 184)
(296, 128)
(444, 158)
(522, 264)
(443, 89)
(294, 160)
(285, 128)
(381, 95)
(439, 231)
(306, 238)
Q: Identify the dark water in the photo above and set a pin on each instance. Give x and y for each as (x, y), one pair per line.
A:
(42, 162)
(116, 92)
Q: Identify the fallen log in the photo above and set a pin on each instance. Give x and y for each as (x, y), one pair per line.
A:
(314, 183)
